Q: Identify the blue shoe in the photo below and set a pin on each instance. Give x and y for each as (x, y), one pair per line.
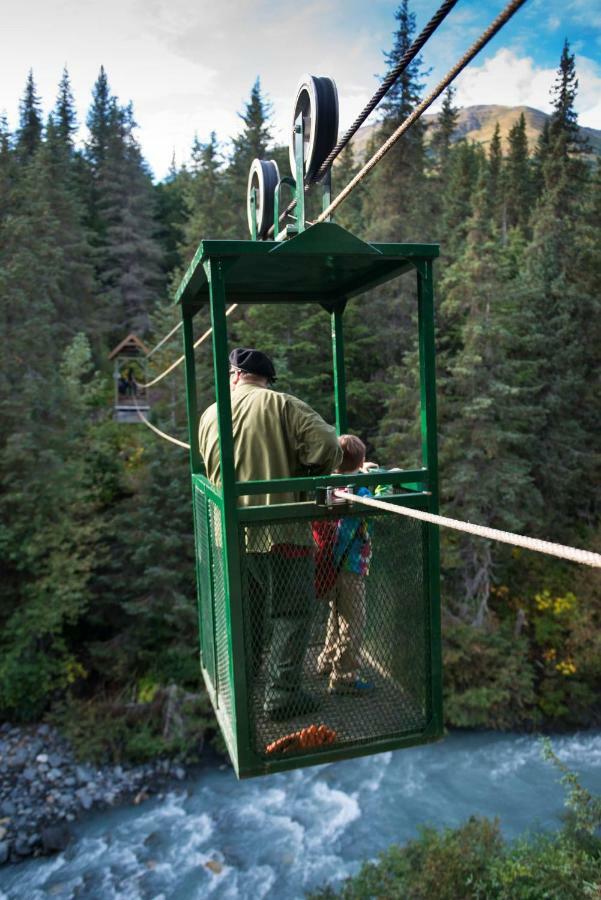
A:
(354, 688)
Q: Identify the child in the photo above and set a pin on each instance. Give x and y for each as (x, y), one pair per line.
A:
(344, 550)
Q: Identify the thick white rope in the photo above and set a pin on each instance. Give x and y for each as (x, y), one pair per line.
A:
(587, 557)
(492, 29)
(163, 339)
(179, 361)
(158, 431)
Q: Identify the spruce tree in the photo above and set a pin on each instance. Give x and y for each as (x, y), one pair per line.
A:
(65, 115)
(128, 256)
(442, 137)
(253, 142)
(519, 194)
(99, 121)
(29, 134)
(494, 185)
(398, 184)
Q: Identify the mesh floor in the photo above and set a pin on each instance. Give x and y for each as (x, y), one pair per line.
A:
(335, 658)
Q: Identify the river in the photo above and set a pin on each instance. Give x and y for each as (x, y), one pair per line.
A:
(280, 836)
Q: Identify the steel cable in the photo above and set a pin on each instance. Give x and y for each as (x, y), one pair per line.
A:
(490, 32)
(390, 79)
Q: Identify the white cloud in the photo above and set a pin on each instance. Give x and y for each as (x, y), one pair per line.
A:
(507, 79)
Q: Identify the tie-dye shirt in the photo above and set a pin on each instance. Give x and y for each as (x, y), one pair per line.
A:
(353, 533)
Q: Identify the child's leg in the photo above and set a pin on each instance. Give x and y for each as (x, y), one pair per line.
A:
(350, 603)
(325, 659)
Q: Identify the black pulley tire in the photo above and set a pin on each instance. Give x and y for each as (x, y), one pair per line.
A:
(317, 99)
(263, 176)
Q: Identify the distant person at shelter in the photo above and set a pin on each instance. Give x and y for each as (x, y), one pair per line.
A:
(276, 435)
(343, 558)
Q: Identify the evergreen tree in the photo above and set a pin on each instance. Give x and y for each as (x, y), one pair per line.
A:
(29, 134)
(564, 120)
(398, 185)
(205, 196)
(446, 125)
(128, 256)
(519, 195)
(252, 143)
(64, 113)
(494, 185)
(100, 121)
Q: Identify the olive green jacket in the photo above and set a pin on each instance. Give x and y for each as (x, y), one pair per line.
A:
(275, 436)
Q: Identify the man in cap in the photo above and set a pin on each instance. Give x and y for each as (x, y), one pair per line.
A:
(276, 435)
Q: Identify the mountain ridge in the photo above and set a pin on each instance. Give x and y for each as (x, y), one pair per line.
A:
(477, 123)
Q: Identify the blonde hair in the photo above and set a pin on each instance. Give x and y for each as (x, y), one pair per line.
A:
(353, 453)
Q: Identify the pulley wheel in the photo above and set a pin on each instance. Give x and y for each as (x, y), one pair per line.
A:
(317, 100)
(263, 176)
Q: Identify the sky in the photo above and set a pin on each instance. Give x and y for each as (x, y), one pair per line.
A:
(188, 65)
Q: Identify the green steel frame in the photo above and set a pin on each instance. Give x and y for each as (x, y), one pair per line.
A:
(326, 265)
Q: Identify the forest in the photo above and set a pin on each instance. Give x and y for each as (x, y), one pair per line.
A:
(98, 595)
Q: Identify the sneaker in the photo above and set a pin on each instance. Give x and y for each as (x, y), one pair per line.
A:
(354, 688)
(299, 704)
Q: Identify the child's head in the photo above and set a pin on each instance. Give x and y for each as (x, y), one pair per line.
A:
(353, 453)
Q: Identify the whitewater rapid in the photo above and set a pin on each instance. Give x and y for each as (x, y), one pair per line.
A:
(281, 836)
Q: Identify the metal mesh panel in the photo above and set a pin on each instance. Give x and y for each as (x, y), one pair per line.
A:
(348, 667)
(222, 661)
(207, 637)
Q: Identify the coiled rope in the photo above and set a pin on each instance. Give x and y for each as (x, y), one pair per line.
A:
(467, 57)
(586, 557)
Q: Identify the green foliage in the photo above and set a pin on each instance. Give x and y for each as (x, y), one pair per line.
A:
(489, 679)
(473, 862)
(96, 548)
(111, 730)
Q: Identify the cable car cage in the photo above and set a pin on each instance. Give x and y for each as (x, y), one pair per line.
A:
(256, 605)
(130, 376)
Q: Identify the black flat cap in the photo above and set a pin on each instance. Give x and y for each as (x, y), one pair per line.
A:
(252, 361)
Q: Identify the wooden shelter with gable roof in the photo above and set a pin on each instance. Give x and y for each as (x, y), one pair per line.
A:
(129, 373)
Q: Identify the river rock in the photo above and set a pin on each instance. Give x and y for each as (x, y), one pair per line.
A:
(23, 847)
(42, 758)
(84, 798)
(55, 837)
(83, 774)
(4, 850)
(18, 758)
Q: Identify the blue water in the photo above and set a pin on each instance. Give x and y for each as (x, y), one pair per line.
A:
(278, 837)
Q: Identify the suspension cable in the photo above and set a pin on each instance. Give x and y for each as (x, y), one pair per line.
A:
(158, 431)
(180, 360)
(388, 82)
(467, 57)
(166, 338)
(586, 557)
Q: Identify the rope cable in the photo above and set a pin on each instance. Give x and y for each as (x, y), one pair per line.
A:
(587, 557)
(166, 338)
(467, 57)
(158, 431)
(180, 360)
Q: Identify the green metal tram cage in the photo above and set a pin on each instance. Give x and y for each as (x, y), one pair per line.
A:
(401, 645)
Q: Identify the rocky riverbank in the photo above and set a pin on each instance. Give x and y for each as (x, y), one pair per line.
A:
(44, 790)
